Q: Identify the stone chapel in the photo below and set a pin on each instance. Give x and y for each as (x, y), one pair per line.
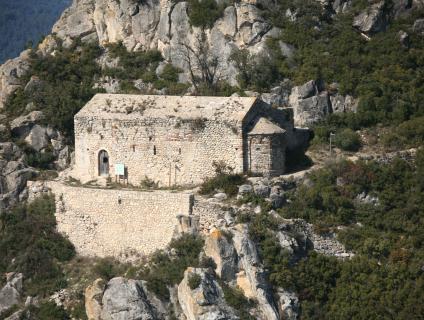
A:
(175, 140)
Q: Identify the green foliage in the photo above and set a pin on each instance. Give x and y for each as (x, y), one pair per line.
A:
(194, 281)
(257, 73)
(29, 243)
(407, 134)
(382, 73)
(48, 311)
(148, 183)
(142, 65)
(108, 268)
(67, 81)
(133, 65)
(167, 270)
(236, 299)
(347, 139)
(388, 242)
(228, 183)
(204, 13)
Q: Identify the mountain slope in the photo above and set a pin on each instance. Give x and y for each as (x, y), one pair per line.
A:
(26, 21)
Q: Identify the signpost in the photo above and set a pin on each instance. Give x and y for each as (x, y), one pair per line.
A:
(120, 172)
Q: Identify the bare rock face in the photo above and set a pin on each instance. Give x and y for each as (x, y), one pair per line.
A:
(372, 20)
(418, 26)
(126, 299)
(251, 277)
(309, 106)
(288, 304)
(93, 299)
(10, 72)
(14, 175)
(21, 126)
(10, 294)
(221, 250)
(164, 25)
(206, 301)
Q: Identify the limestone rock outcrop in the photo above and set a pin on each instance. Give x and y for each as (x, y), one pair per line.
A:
(10, 72)
(372, 20)
(311, 104)
(222, 251)
(206, 301)
(251, 275)
(126, 299)
(93, 299)
(14, 174)
(164, 25)
(10, 294)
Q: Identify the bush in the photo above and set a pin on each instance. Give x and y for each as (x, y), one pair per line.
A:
(237, 300)
(225, 182)
(165, 270)
(348, 140)
(407, 134)
(108, 268)
(48, 311)
(194, 281)
(204, 13)
(30, 243)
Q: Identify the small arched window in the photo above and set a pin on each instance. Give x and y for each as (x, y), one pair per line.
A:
(154, 150)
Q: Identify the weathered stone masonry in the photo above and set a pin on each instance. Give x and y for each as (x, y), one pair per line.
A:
(172, 140)
(104, 222)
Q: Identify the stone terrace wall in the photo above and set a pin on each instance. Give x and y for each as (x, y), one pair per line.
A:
(97, 224)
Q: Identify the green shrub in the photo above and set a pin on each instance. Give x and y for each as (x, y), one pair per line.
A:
(48, 311)
(30, 243)
(194, 281)
(228, 183)
(237, 300)
(108, 268)
(204, 13)
(167, 270)
(348, 140)
(407, 134)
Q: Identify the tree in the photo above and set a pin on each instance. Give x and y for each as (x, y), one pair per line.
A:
(204, 66)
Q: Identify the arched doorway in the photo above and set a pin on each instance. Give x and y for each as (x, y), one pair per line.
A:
(103, 163)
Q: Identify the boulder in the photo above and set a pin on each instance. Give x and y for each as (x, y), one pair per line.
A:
(10, 151)
(206, 301)
(21, 126)
(262, 190)
(126, 299)
(309, 106)
(93, 299)
(288, 303)
(10, 294)
(371, 20)
(279, 96)
(38, 138)
(221, 249)
(64, 158)
(10, 72)
(245, 189)
(418, 26)
(341, 103)
(221, 196)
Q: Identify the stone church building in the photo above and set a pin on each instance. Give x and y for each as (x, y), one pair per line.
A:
(175, 140)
